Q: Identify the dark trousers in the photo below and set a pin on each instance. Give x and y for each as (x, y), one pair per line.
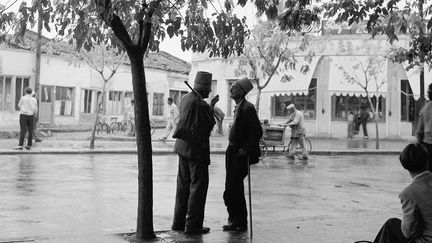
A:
(234, 197)
(364, 127)
(192, 185)
(26, 124)
(391, 232)
(350, 131)
(429, 149)
(365, 133)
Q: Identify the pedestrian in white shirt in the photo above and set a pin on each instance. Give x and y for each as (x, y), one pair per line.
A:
(28, 109)
(173, 117)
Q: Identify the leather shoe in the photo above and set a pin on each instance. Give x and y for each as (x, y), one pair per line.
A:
(234, 227)
(203, 230)
(177, 228)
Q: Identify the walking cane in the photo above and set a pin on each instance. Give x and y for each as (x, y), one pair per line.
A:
(250, 199)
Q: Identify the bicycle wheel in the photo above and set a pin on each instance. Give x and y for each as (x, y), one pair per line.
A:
(264, 149)
(298, 150)
(308, 145)
(117, 127)
(104, 128)
(127, 127)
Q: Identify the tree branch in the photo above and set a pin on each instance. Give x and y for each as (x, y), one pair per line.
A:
(114, 21)
(262, 55)
(146, 32)
(6, 8)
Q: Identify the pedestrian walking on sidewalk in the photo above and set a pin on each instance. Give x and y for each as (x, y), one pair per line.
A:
(244, 136)
(424, 126)
(173, 117)
(28, 108)
(193, 148)
(416, 198)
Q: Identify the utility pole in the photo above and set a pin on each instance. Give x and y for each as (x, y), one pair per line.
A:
(38, 54)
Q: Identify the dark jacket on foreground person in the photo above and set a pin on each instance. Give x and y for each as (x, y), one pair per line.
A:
(247, 131)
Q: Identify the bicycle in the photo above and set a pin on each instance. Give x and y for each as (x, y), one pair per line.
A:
(102, 126)
(115, 126)
(128, 126)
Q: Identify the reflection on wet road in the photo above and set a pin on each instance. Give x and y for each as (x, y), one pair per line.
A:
(57, 195)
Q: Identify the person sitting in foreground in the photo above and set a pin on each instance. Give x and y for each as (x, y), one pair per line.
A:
(416, 200)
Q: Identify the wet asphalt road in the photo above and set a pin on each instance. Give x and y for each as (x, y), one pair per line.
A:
(328, 199)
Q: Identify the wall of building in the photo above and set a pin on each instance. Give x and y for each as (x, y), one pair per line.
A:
(59, 71)
(325, 47)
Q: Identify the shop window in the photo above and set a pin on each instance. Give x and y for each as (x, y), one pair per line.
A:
(114, 105)
(158, 104)
(5, 93)
(407, 102)
(177, 95)
(20, 85)
(128, 98)
(64, 101)
(343, 104)
(303, 103)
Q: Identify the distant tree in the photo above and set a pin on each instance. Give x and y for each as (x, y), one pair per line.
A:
(138, 27)
(393, 18)
(105, 61)
(269, 52)
(370, 79)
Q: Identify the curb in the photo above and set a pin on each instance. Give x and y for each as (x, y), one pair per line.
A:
(167, 152)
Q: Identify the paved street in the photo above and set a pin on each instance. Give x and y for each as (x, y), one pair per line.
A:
(90, 198)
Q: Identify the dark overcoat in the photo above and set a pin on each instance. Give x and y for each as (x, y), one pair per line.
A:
(246, 131)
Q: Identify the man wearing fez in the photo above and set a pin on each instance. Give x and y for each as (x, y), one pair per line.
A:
(193, 148)
(243, 147)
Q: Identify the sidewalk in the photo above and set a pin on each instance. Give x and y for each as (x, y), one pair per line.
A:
(78, 142)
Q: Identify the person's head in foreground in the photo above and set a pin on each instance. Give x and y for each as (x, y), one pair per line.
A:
(202, 83)
(414, 158)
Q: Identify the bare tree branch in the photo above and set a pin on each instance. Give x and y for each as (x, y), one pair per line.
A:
(6, 8)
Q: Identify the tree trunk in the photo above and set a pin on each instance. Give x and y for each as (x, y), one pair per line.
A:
(376, 132)
(144, 146)
(257, 102)
(375, 118)
(92, 138)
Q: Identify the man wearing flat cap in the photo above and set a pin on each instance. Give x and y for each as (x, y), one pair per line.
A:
(243, 147)
(193, 130)
(298, 132)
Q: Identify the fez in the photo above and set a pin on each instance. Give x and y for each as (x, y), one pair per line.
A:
(245, 84)
(203, 79)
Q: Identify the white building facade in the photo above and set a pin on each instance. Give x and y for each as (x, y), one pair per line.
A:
(69, 90)
(324, 94)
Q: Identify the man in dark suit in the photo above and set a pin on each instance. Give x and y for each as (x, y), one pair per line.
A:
(195, 124)
(416, 200)
(243, 147)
